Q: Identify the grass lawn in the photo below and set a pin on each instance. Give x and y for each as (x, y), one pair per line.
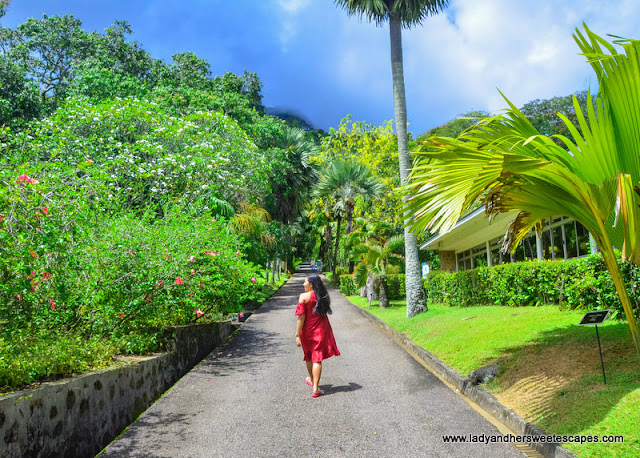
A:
(550, 367)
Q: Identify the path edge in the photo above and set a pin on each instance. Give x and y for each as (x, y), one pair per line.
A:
(487, 401)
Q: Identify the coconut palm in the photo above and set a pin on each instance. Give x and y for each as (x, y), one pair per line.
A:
(374, 256)
(400, 13)
(507, 165)
(344, 182)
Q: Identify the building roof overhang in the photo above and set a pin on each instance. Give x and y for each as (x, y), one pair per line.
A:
(470, 231)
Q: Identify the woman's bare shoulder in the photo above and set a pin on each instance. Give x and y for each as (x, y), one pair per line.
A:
(305, 297)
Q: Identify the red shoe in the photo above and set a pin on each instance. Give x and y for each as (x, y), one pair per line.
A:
(308, 380)
(317, 394)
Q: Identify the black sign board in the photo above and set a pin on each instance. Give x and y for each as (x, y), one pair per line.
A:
(596, 317)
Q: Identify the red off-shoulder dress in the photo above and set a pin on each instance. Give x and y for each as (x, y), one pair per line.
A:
(316, 337)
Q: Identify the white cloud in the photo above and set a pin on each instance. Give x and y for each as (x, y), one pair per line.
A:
(289, 26)
(457, 61)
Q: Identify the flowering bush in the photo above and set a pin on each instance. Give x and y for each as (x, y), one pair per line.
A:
(140, 151)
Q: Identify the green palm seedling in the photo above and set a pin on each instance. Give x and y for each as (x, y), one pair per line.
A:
(507, 165)
(374, 256)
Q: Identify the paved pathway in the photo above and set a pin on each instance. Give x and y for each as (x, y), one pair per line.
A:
(248, 398)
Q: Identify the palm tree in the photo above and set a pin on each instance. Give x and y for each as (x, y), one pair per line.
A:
(299, 147)
(344, 182)
(374, 256)
(506, 164)
(400, 13)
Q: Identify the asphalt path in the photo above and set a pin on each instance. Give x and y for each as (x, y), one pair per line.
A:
(249, 398)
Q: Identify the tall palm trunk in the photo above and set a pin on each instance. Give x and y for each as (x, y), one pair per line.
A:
(383, 298)
(415, 292)
(335, 253)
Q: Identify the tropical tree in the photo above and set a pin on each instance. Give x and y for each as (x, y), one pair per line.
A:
(400, 13)
(344, 182)
(374, 256)
(292, 182)
(509, 166)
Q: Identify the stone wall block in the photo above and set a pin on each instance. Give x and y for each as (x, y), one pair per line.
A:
(79, 416)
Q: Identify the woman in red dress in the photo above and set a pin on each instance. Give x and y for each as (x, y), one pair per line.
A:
(313, 332)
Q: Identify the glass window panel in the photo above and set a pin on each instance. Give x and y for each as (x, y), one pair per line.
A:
(546, 245)
(557, 242)
(570, 234)
(583, 240)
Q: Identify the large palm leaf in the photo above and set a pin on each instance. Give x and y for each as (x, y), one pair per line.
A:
(509, 166)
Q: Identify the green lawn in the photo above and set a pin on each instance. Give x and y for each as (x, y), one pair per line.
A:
(550, 367)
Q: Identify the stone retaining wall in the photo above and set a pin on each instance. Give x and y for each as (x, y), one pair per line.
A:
(78, 417)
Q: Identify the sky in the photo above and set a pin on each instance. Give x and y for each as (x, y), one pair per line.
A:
(316, 61)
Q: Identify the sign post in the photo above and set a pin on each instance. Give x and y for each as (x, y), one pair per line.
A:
(596, 318)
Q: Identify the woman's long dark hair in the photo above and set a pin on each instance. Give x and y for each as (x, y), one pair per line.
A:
(323, 305)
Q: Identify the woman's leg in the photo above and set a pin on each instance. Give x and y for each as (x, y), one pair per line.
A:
(310, 370)
(317, 371)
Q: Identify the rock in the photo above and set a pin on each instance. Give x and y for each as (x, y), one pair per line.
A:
(484, 374)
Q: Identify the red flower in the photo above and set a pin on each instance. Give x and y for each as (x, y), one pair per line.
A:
(53, 304)
(19, 297)
(198, 312)
(205, 251)
(237, 253)
(179, 280)
(192, 258)
(254, 279)
(45, 210)
(158, 283)
(121, 315)
(193, 271)
(46, 275)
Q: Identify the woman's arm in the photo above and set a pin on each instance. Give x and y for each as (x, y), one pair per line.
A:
(299, 329)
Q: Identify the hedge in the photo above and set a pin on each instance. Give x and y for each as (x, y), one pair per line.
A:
(575, 284)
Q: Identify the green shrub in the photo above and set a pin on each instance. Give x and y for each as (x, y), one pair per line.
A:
(575, 284)
(347, 286)
(396, 287)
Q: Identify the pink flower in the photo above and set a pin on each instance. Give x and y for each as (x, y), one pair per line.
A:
(19, 297)
(158, 283)
(148, 297)
(193, 271)
(45, 210)
(190, 294)
(26, 179)
(254, 279)
(1, 219)
(237, 253)
(199, 312)
(192, 258)
(178, 280)
(53, 304)
(167, 257)
(241, 315)
(208, 227)
(214, 220)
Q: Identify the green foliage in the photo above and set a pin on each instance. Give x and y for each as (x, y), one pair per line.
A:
(145, 155)
(574, 284)
(347, 285)
(396, 286)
